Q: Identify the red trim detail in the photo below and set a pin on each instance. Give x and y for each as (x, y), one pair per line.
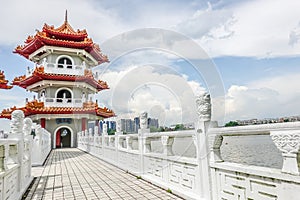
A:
(58, 138)
(35, 107)
(39, 75)
(43, 122)
(83, 124)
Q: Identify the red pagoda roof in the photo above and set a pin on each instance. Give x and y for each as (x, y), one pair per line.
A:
(39, 75)
(34, 107)
(3, 81)
(63, 36)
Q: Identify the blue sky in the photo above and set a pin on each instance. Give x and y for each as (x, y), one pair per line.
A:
(253, 44)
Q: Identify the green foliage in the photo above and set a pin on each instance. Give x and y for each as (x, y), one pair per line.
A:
(169, 190)
(161, 129)
(231, 123)
(179, 127)
(110, 131)
(154, 129)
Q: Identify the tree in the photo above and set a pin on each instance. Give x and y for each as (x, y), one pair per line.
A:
(231, 123)
(110, 131)
(179, 127)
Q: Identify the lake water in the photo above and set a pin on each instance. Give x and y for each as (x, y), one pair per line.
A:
(252, 150)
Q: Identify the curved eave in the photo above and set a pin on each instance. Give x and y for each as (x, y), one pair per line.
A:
(60, 110)
(40, 41)
(29, 48)
(65, 43)
(66, 36)
(57, 77)
(98, 55)
(5, 86)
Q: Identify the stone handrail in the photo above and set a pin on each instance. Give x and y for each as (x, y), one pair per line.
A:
(41, 145)
(286, 136)
(256, 182)
(15, 158)
(262, 129)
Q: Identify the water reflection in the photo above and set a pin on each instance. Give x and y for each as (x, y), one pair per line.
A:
(252, 150)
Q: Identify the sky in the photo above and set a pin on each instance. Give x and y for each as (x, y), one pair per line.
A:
(245, 53)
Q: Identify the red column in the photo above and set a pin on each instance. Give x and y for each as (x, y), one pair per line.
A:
(58, 139)
(97, 124)
(83, 124)
(43, 122)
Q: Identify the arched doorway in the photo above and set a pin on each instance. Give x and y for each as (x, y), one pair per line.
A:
(63, 137)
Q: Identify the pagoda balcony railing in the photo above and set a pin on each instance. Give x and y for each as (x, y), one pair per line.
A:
(64, 68)
(62, 102)
(54, 68)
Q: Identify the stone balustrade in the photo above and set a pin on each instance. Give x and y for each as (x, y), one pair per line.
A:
(134, 153)
(41, 145)
(15, 158)
(233, 181)
(153, 157)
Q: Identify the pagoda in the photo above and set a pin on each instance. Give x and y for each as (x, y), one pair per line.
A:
(63, 81)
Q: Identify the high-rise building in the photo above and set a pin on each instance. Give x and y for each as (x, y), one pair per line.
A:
(153, 123)
(136, 124)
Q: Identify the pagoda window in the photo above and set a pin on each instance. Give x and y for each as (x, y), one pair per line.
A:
(64, 62)
(64, 96)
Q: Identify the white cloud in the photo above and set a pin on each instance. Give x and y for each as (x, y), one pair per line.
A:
(271, 97)
(168, 96)
(260, 28)
(203, 21)
(22, 18)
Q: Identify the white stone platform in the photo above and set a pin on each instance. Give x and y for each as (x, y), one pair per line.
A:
(73, 174)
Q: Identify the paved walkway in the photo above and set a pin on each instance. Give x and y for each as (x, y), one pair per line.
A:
(72, 174)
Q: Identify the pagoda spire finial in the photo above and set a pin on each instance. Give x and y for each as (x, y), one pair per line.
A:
(66, 16)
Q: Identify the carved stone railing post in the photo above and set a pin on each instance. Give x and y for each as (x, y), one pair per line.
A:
(129, 143)
(16, 151)
(167, 143)
(96, 130)
(27, 126)
(144, 143)
(95, 138)
(144, 120)
(203, 104)
(118, 127)
(105, 129)
(288, 142)
(17, 123)
(27, 132)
